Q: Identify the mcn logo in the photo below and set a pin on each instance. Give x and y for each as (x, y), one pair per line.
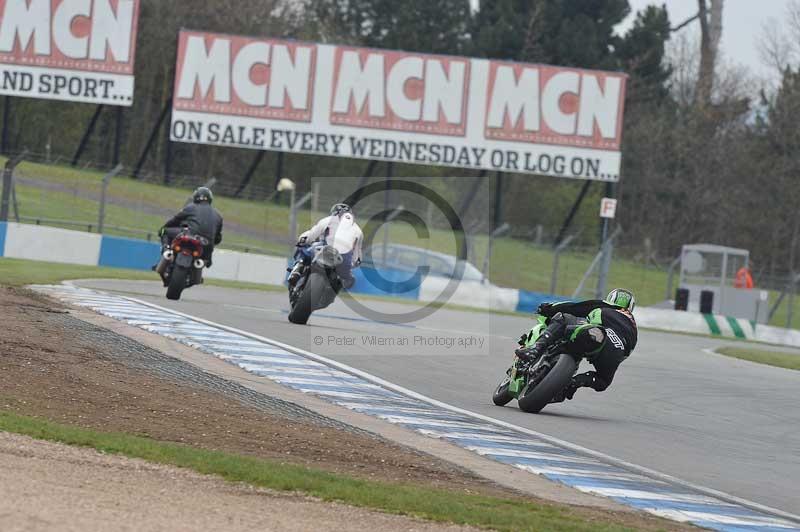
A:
(400, 91)
(96, 35)
(241, 76)
(549, 105)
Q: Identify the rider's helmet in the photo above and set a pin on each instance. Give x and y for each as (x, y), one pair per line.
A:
(340, 208)
(620, 297)
(202, 195)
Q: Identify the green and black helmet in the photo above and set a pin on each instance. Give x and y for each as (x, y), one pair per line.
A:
(620, 297)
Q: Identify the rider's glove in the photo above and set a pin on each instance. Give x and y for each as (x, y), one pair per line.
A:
(528, 354)
(302, 241)
(545, 309)
(162, 231)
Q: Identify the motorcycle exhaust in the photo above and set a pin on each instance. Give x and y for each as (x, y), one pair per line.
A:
(162, 266)
(166, 258)
(199, 264)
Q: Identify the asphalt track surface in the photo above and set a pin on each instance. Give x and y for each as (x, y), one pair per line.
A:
(718, 422)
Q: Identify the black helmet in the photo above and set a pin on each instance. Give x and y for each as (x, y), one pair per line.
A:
(202, 194)
(340, 209)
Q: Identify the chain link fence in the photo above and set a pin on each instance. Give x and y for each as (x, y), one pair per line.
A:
(521, 256)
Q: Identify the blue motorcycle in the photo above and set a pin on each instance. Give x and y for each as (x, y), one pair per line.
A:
(317, 282)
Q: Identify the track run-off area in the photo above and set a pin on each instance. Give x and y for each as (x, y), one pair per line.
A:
(696, 418)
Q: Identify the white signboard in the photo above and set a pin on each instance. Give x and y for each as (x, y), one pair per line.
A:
(291, 96)
(72, 50)
(608, 208)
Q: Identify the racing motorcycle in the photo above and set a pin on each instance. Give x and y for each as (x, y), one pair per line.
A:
(318, 284)
(535, 383)
(181, 265)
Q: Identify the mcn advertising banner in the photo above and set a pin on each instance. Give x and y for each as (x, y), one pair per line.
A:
(71, 50)
(299, 97)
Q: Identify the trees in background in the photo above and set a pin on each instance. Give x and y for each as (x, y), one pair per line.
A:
(702, 160)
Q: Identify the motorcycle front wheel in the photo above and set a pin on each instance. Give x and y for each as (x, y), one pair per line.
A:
(501, 395)
(308, 300)
(537, 395)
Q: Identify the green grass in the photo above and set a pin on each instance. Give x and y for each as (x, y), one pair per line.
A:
(770, 358)
(17, 272)
(515, 263)
(403, 499)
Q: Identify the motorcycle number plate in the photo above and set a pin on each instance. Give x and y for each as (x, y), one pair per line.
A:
(184, 260)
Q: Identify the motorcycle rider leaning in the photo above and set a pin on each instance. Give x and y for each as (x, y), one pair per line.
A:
(201, 218)
(339, 230)
(603, 331)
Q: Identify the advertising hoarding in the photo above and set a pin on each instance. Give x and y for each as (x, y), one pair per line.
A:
(69, 50)
(298, 97)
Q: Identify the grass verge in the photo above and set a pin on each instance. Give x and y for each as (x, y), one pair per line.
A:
(770, 358)
(427, 503)
(19, 272)
(73, 201)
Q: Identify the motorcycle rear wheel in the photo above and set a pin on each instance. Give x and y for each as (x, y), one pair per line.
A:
(177, 282)
(536, 395)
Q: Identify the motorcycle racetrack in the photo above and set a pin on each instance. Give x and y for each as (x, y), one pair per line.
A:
(675, 407)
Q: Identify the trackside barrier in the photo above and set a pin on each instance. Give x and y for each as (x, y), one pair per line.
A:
(3, 229)
(48, 244)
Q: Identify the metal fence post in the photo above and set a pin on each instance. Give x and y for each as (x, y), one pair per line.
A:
(14, 203)
(605, 266)
(295, 206)
(556, 256)
(671, 278)
(8, 174)
(497, 233)
(104, 189)
(790, 309)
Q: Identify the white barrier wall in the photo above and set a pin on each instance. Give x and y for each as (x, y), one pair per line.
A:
(471, 294)
(247, 267)
(52, 245)
(262, 269)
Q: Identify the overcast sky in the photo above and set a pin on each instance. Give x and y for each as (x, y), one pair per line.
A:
(741, 25)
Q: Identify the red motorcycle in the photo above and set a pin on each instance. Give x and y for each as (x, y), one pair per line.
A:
(181, 264)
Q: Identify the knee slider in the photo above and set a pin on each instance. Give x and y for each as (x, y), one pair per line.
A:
(589, 338)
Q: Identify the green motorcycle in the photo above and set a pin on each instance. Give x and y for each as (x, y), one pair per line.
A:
(534, 384)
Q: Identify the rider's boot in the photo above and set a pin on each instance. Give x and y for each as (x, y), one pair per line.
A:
(547, 339)
(584, 380)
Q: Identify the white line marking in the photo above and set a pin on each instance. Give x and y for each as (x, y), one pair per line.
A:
(344, 395)
(689, 516)
(646, 495)
(513, 453)
(253, 367)
(325, 382)
(556, 441)
(483, 437)
(576, 472)
(427, 422)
